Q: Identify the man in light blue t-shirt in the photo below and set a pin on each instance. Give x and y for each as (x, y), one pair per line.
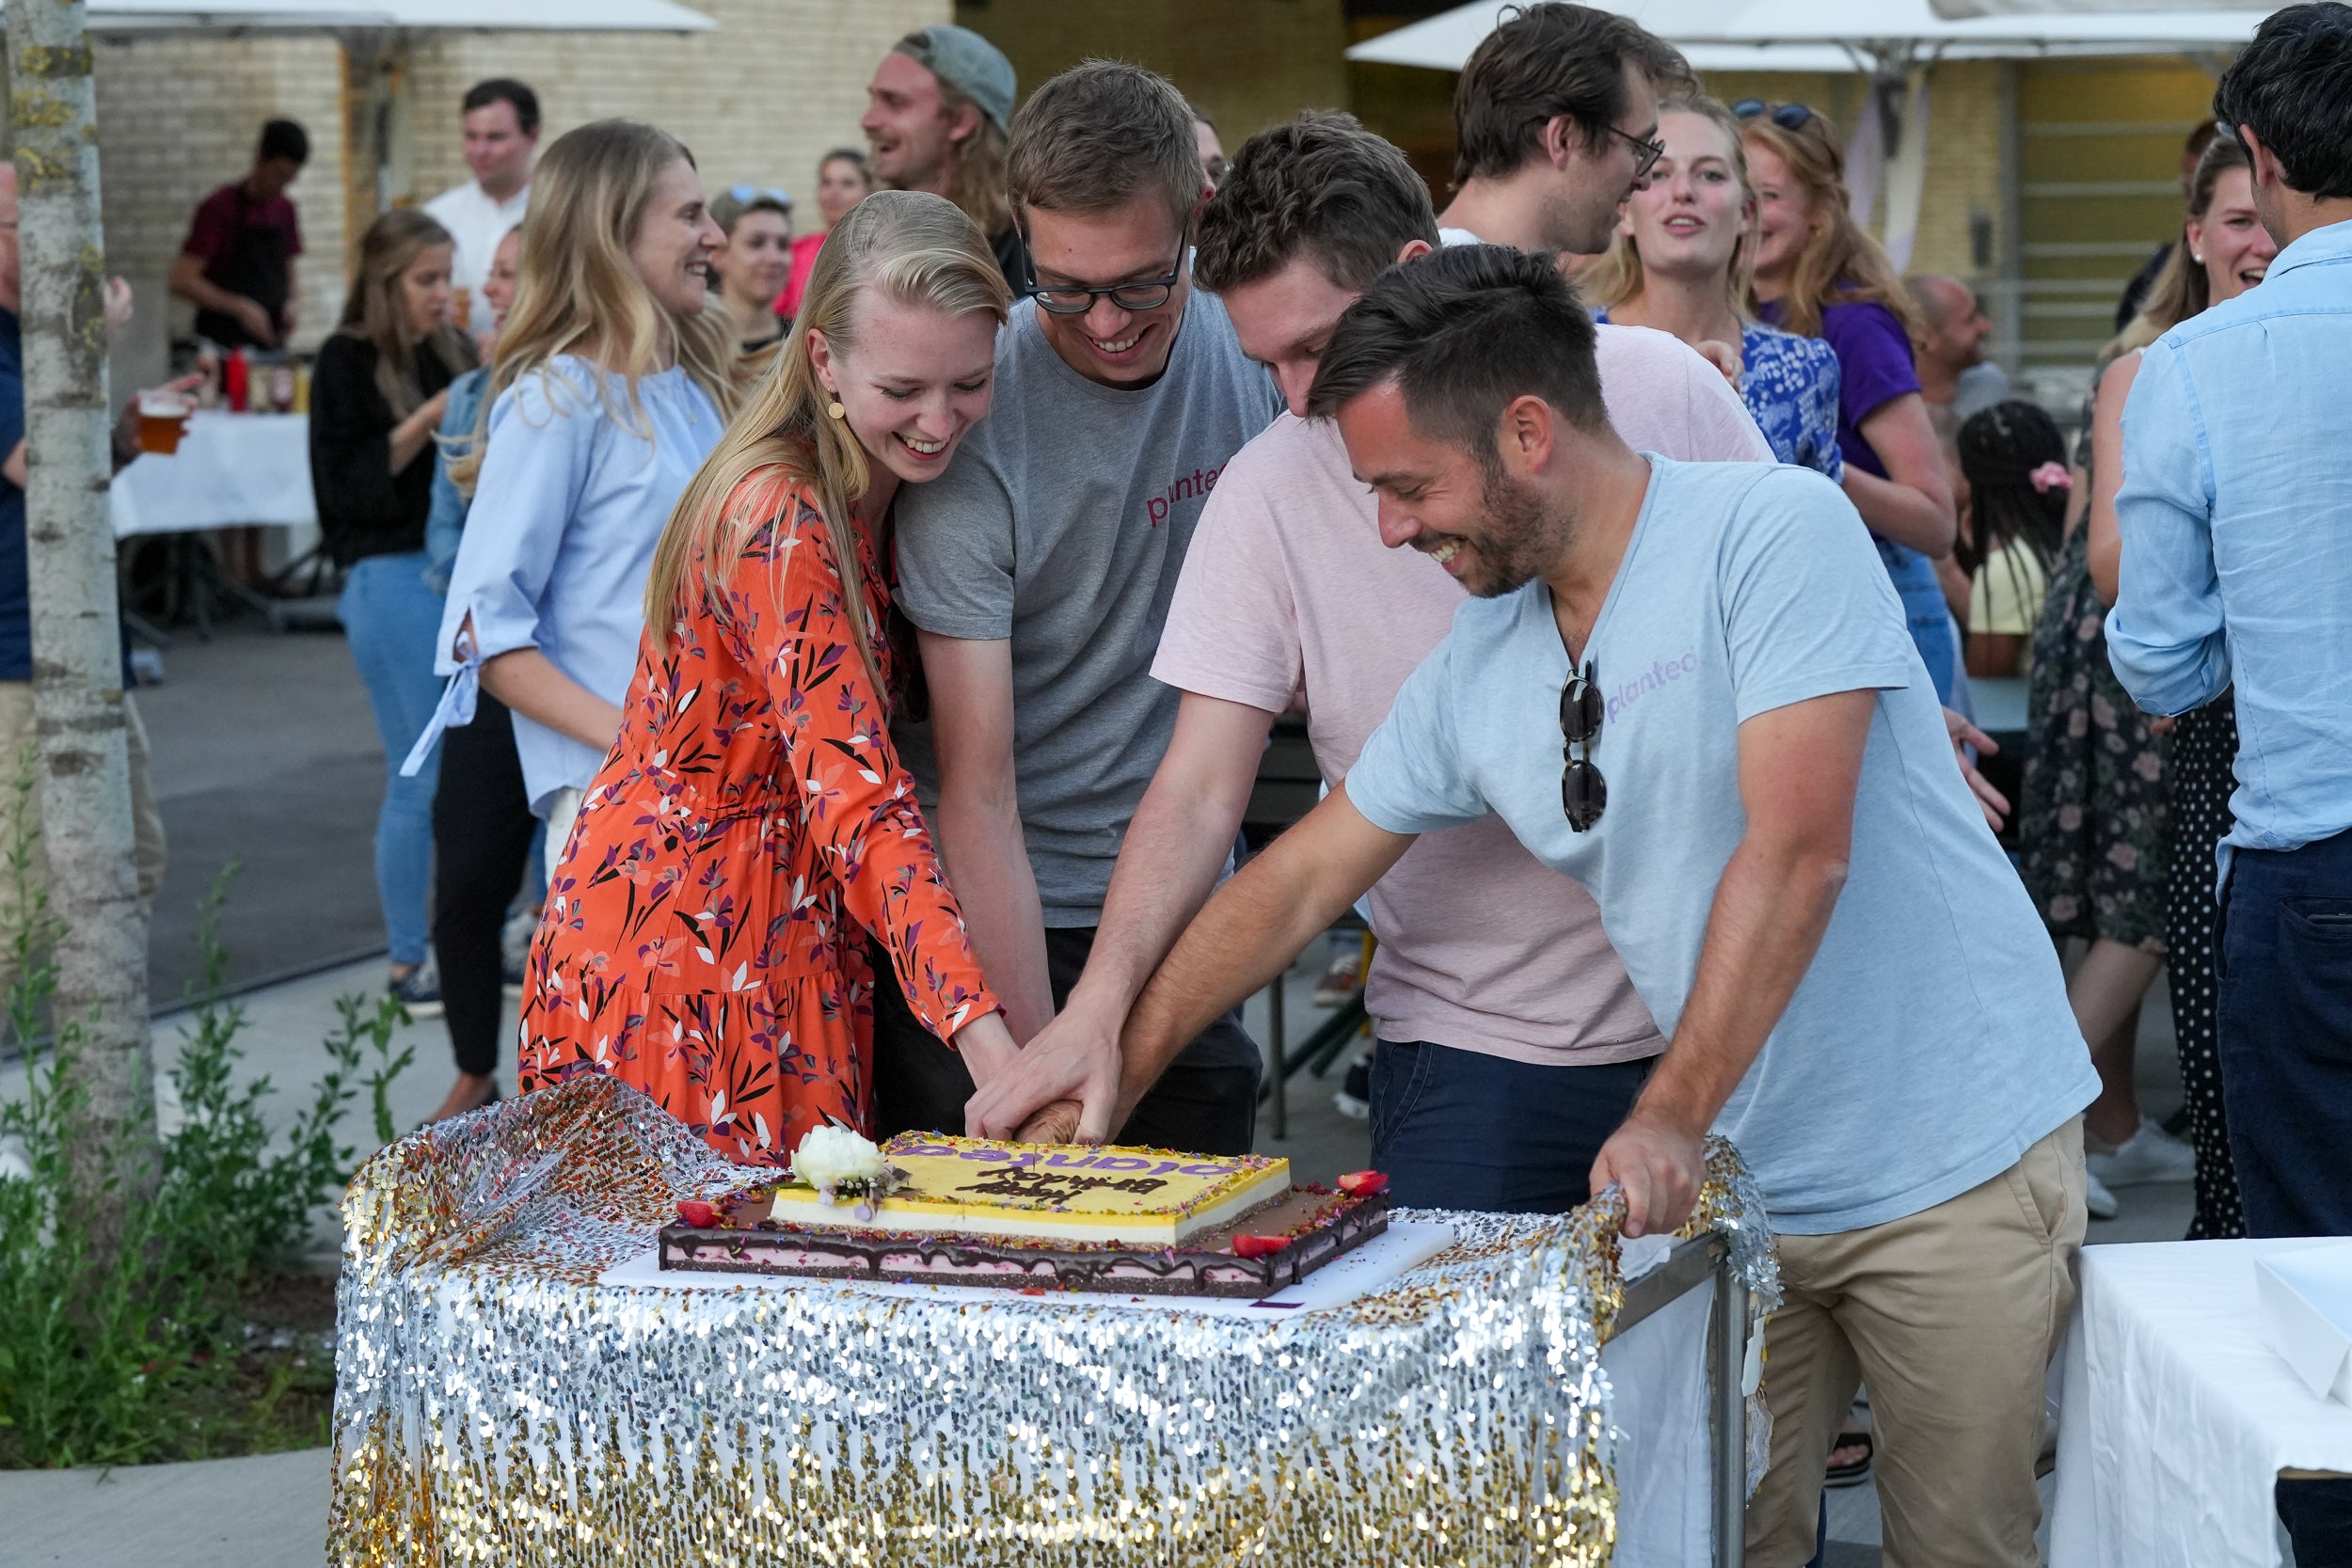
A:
(1759, 793)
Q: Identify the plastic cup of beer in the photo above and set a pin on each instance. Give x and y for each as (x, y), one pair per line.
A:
(163, 420)
(461, 307)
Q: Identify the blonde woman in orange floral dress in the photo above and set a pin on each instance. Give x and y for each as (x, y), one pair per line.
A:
(705, 931)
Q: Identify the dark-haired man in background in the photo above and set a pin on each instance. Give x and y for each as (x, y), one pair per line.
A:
(237, 264)
(1758, 795)
(2236, 510)
(1509, 1041)
(500, 122)
(1555, 123)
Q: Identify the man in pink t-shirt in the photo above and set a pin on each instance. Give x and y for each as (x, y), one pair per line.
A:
(1511, 1043)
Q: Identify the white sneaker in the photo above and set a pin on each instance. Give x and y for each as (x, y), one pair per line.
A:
(2097, 1199)
(2150, 1154)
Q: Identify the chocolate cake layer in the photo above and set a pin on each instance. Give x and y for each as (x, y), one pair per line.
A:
(1306, 1229)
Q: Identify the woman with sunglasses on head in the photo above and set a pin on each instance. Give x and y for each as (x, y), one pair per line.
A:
(706, 937)
(1817, 274)
(1679, 265)
(376, 397)
(752, 267)
(2118, 819)
(614, 378)
(844, 179)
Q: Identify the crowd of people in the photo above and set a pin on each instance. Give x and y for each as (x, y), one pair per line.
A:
(853, 651)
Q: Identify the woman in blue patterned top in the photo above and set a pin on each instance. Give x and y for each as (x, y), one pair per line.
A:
(1678, 265)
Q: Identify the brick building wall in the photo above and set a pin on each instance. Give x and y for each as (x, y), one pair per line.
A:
(1249, 64)
(759, 100)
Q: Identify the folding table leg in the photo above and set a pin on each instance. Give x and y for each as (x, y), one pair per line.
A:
(1726, 1346)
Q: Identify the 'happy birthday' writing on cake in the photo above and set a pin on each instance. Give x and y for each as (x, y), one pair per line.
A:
(1034, 1185)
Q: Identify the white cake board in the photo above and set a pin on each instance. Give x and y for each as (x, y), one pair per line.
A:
(1406, 1244)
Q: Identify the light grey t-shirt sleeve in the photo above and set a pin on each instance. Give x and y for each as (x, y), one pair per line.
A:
(1411, 777)
(1808, 610)
(955, 545)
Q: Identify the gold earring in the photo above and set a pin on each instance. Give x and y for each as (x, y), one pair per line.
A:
(834, 410)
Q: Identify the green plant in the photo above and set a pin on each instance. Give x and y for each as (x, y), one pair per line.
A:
(149, 1354)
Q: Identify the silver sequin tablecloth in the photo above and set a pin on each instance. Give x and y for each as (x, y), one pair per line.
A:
(496, 1404)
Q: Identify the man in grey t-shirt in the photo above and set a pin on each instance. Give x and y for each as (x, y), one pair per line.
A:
(1037, 570)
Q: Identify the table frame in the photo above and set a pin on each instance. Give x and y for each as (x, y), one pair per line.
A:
(1706, 1261)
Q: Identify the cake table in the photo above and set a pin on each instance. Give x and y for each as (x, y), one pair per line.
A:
(500, 1399)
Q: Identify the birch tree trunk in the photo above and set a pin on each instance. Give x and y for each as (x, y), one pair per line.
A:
(100, 1005)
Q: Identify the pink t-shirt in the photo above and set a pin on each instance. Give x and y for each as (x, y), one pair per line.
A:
(1288, 596)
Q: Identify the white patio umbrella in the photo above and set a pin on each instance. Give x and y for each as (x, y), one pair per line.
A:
(343, 16)
(1955, 9)
(1893, 41)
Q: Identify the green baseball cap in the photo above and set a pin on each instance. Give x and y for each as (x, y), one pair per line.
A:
(968, 62)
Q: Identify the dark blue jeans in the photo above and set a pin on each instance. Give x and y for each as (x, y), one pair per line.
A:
(2286, 1028)
(1461, 1130)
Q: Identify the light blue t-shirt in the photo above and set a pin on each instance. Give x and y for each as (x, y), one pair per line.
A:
(1930, 1044)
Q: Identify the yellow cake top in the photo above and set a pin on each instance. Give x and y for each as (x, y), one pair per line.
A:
(977, 1186)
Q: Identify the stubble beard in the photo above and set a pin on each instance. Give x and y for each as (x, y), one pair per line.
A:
(1522, 536)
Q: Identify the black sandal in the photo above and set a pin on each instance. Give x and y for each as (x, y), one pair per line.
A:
(1856, 1473)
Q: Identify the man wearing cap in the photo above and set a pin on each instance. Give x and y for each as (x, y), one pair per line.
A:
(937, 112)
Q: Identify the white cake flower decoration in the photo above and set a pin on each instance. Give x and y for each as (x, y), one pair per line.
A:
(840, 1162)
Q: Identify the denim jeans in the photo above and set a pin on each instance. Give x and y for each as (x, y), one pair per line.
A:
(2285, 1037)
(393, 620)
(1462, 1129)
(1924, 609)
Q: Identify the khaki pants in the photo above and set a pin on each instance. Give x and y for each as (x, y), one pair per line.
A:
(1951, 1316)
(17, 735)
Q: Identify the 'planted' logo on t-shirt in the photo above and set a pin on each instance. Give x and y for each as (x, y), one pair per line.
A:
(1661, 671)
(1191, 487)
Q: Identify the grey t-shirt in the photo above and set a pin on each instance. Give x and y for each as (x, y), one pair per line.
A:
(1061, 524)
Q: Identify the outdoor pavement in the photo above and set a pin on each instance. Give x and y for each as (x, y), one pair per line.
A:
(264, 751)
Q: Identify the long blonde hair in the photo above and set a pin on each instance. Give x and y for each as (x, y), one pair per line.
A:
(376, 313)
(2181, 289)
(577, 289)
(1616, 276)
(1840, 263)
(908, 247)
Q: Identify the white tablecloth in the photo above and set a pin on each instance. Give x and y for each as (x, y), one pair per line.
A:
(231, 470)
(2176, 1417)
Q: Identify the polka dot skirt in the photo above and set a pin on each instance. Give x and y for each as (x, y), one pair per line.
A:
(2203, 747)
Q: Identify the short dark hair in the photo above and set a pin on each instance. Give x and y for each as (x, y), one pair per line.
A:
(1463, 332)
(2288, 85)
(1101, 134)
(283, 138)
(1551, 59)
(504, 90)
(1323, 184)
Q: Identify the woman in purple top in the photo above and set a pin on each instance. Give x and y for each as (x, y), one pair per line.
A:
(1819, 275)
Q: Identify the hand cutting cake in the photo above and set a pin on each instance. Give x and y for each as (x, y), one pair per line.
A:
(967, 1210)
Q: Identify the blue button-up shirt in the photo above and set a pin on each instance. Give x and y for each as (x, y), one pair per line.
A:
(2236, 516)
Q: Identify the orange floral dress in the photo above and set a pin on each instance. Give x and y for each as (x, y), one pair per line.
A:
(705, 933)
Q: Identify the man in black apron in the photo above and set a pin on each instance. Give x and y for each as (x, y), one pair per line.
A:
(237, 264)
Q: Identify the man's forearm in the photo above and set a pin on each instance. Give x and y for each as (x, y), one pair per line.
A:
(1167, 866)
(982, 843)
(190, 284)
(1249, 932)
(1771, 910)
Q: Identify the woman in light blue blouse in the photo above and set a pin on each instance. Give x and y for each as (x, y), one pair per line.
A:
(1677, 266)
(614, 378)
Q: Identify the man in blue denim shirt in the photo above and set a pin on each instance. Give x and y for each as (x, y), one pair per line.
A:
(2236, 518)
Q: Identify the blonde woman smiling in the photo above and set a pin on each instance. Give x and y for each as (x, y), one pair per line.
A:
(614, 378)
(706, 938)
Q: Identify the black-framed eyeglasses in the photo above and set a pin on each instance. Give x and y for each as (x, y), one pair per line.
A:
(1645, 153)
(1584, 793)
(1076, 299)
(1788, 117)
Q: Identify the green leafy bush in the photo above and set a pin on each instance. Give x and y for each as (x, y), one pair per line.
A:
(150, 1352)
